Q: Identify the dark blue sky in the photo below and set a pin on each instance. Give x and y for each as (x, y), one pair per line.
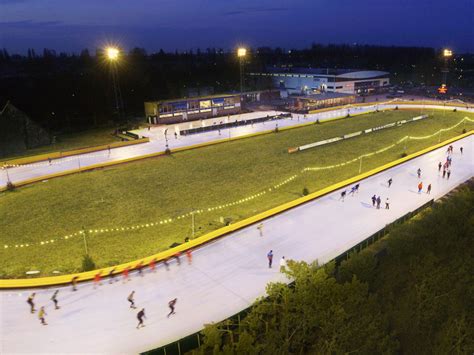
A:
(70, 25)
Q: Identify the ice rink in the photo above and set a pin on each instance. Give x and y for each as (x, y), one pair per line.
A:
(158, 143)
(225, 276)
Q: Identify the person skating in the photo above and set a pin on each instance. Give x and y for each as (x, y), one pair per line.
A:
(54, 298)
(439, 166)
(139, 268)
(140, 317)
(153, 265)
(448, 173)
(175, 135)
(74, 283)
(260, 229)
(379, 201)
(171, 305)
(176, 256)
(461, 149)
(189, 256)
(131, 300)
(97, 279)
(387, 204)
(343, 194)
(41, 315)
(420, 187)
(353, 190)
(125, 274)
(270, 258)
(111, 275)
(444, 173)
(428, 190)
(167, 265)
(389, 182)
(282, 264)
(374, 200)
(357, 187)
(31, 303)
(418, 173)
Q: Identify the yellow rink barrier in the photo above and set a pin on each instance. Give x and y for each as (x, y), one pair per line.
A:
(68, 153)
(200, 241)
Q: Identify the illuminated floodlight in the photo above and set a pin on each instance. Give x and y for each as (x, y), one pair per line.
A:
(112, 53)
(447, 53)
(241, 52)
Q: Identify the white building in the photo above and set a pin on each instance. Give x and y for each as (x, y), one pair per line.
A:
(308, 81)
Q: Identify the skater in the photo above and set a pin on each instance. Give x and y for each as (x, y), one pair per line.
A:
(125, 274)
(171, 305)
(374, 200)
(111, 275)
(108, 148)
(54, 298)
(389, 182)
(461, 149)
(176, 256)
(357, 188)
(139, 268)
(418, 173)
(41, 315)
(175, 135)
(49, 160)
(379, 201)
(74, 283)
(189, 256)
(97, 278)
(444, 172)
(449, 173)
(140, 317)
(270, 258)
(153, 265)
(131, 300)
(428, 190)
(260, 229)
(343, 194)
(420, 187)
(387, 204)
(282, 264)
(439, 166)
(166, 264)
(31, 303)
(353, 190)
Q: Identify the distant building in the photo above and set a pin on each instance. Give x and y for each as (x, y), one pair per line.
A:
(303, 81)
(313, 102)
(178, 110)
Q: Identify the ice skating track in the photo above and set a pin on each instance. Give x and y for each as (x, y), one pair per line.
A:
(225, 276)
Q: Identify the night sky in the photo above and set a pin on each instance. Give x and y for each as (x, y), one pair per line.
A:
(70, 25)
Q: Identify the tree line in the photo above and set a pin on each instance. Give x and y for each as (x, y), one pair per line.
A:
(64, 91)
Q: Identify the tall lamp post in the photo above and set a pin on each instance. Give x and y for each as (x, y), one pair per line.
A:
(447, 53)
(241, 53)
(113, 55)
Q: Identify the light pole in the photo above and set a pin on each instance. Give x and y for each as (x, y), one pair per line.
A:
(113, 55)
(447, 53)
(241, 53)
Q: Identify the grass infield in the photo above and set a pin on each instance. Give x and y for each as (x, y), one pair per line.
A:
(166, 187)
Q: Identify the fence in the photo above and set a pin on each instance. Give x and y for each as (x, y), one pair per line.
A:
(193, 341)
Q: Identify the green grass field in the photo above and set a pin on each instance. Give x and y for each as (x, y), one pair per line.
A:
(89, 138)
(167, 187)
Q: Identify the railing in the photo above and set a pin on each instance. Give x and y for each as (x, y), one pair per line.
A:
(194, 341)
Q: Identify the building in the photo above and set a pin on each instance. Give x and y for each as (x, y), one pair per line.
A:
(178, 110)
(307, 80)
(307, 103)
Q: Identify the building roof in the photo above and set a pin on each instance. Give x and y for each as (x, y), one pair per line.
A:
(355, 74)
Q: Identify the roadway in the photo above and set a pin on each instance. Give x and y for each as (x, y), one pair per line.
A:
(225, 276)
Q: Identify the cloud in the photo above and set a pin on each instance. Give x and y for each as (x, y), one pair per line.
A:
(29, 24)
(249, 10)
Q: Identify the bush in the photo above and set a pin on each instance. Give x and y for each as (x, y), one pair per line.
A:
(464, 130)
(396, 107)
(10, 186)
(404, 154)
(305, 191)
(455, 110)
(87, 263)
